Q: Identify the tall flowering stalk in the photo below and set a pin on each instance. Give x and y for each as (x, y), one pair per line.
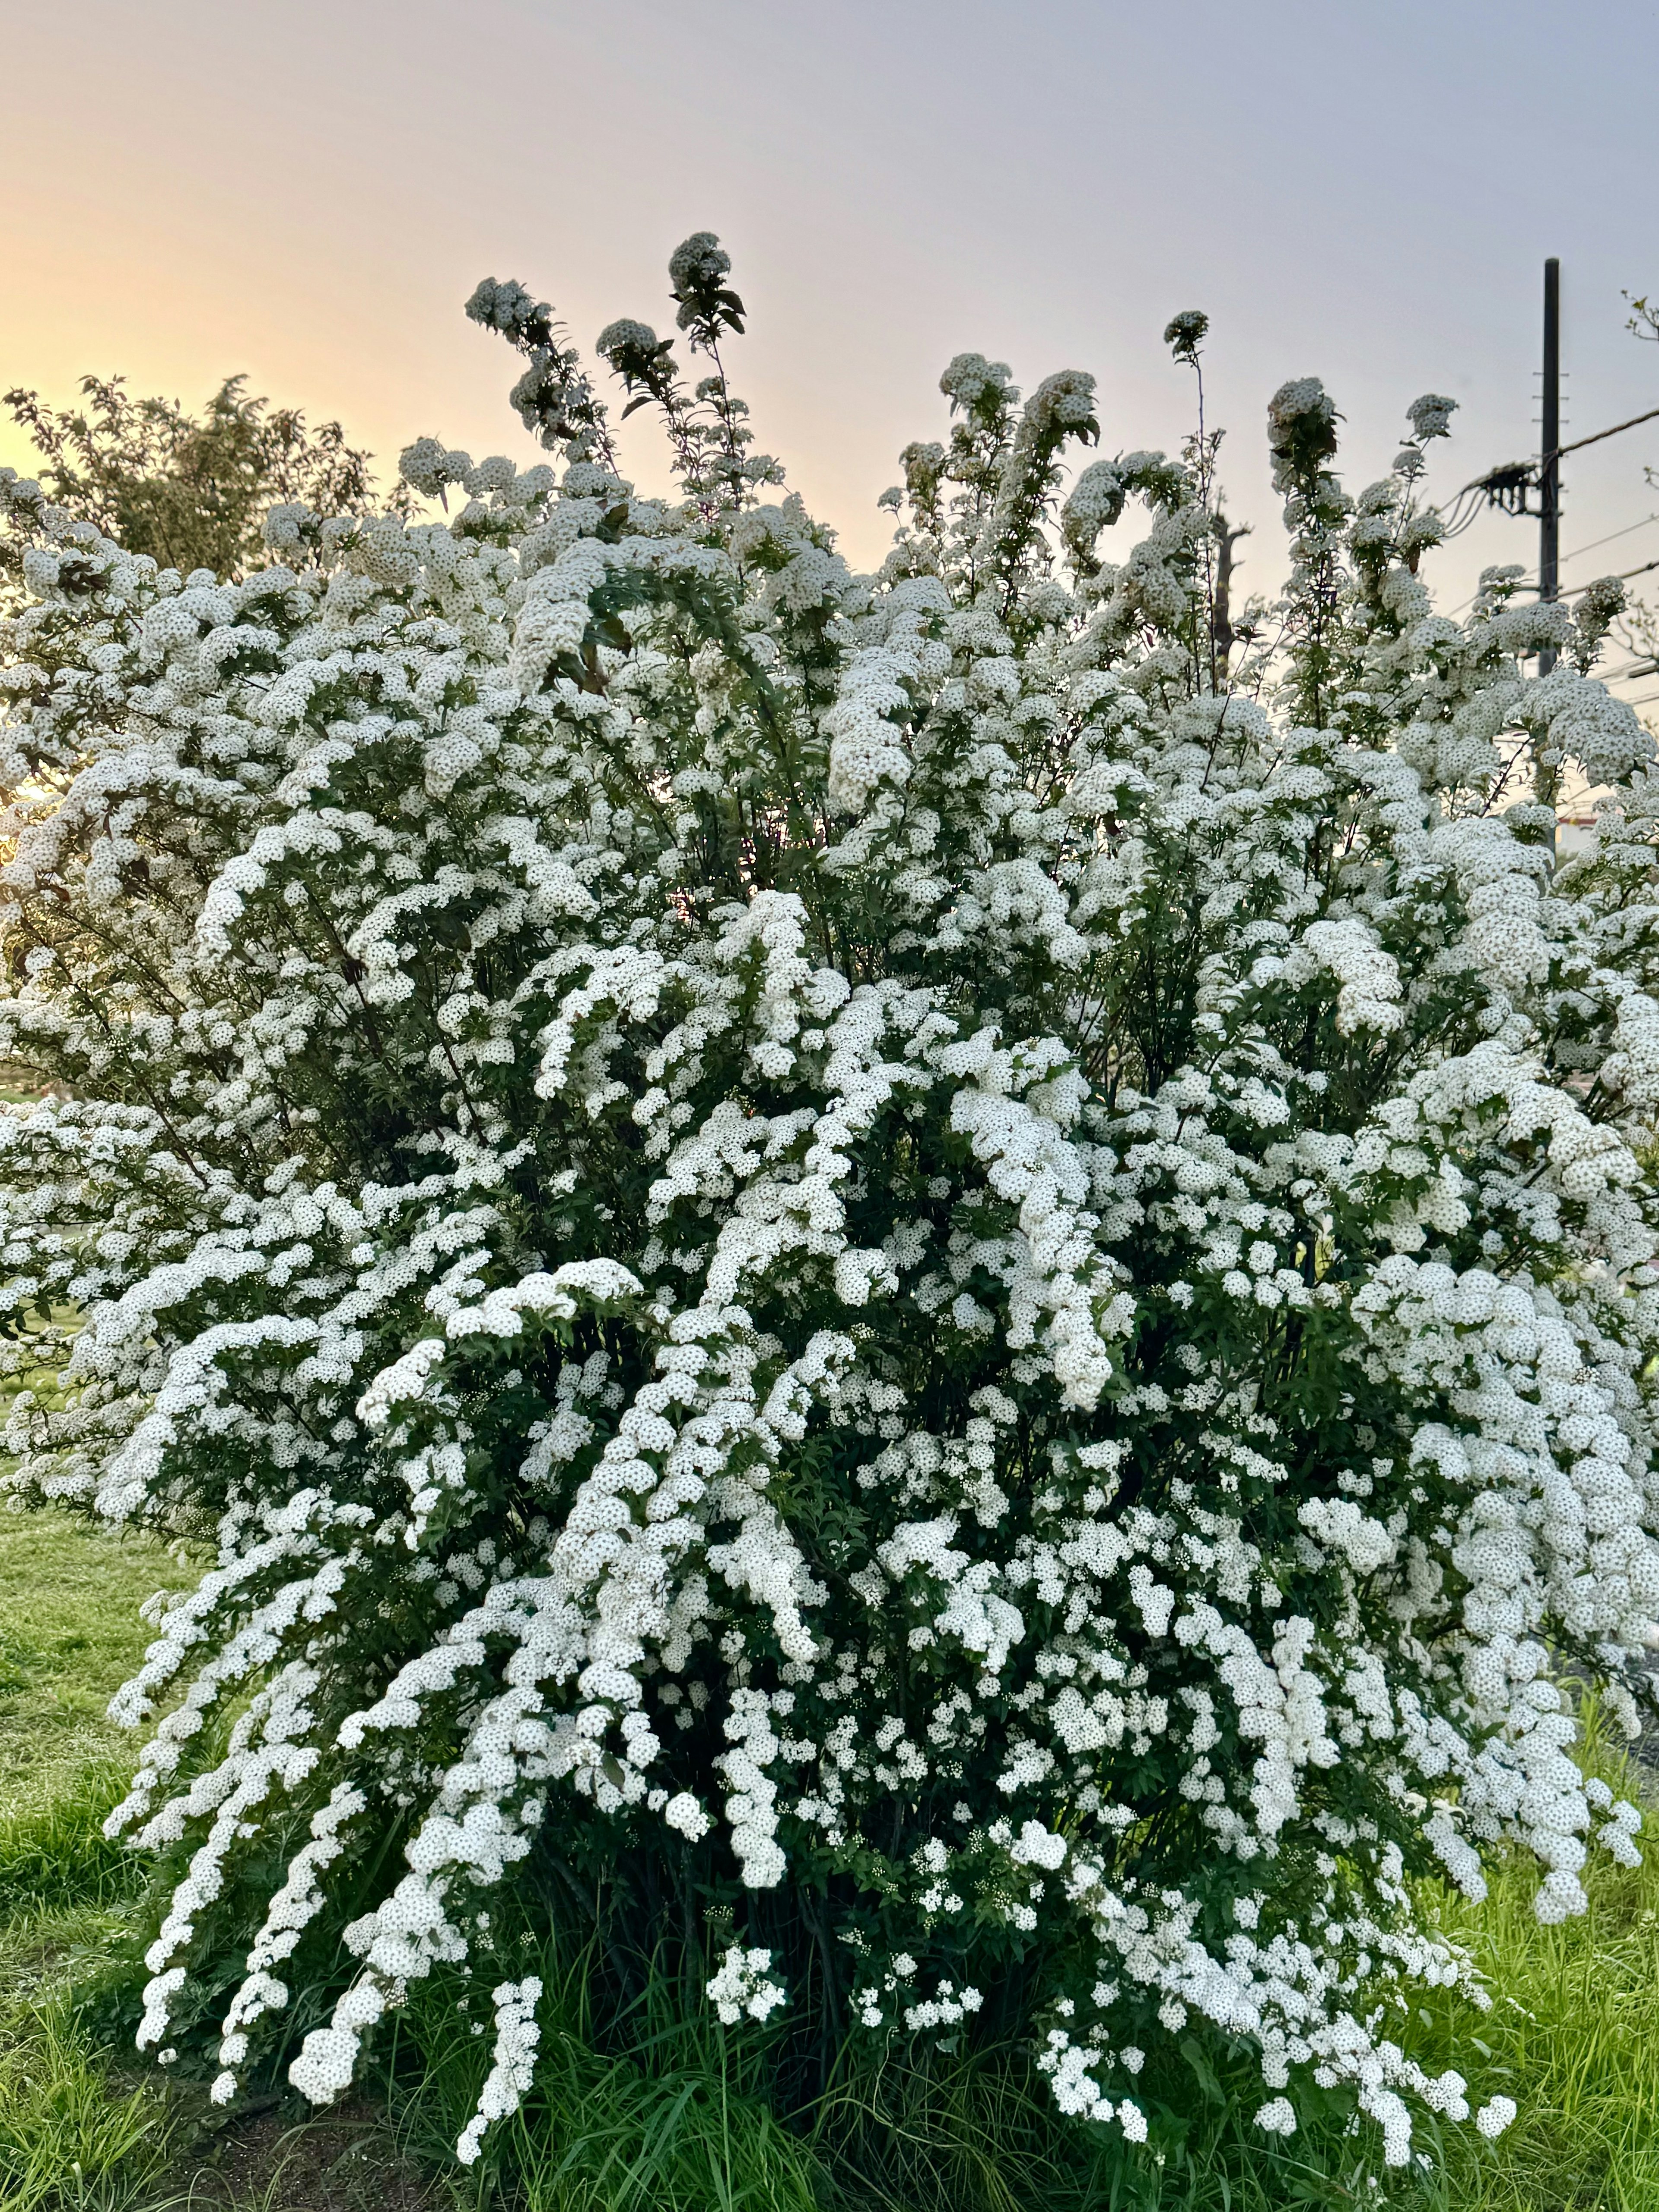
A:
(945, 1266)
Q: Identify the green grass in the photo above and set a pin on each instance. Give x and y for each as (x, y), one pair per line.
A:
(85, 2124)
(1574, 2036)
(675, 2125)
(69, 1636)
(70, 2134)
(68, 2137)
(675, 2121)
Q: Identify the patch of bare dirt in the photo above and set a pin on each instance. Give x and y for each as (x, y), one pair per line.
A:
(283, 2159)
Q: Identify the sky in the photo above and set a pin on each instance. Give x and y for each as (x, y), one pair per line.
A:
(308, 190)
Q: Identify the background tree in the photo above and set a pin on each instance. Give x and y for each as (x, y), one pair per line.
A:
(192, 490)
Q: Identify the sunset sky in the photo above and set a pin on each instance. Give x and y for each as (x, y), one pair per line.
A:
(307, 192)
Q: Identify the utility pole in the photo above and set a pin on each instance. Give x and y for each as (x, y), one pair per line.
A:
(1549, 474)
(1511, 487)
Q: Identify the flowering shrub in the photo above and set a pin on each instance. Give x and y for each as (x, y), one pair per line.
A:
(943, 1270)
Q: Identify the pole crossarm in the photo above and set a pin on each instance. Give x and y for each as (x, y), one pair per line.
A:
(1508, 485)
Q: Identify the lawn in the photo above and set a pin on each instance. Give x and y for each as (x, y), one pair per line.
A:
(1574, 2036)
(69, 1636)
(84, 2126)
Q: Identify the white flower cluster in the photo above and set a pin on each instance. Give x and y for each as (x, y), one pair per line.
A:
(969, 1269)
(513, 2068)
(744, 1986)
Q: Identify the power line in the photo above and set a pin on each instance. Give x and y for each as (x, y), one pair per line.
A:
(1623, 577)
(1595, 436)
(1607, 540)
(1578, 590)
